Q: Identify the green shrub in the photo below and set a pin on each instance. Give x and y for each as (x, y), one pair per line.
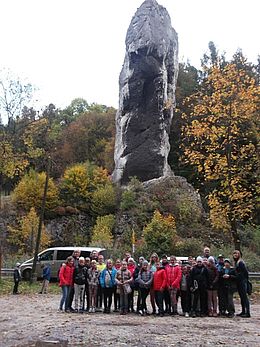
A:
(186, 247)
(104, 200)
(160, 233)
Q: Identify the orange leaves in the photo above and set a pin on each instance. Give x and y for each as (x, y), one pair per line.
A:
(220, 136)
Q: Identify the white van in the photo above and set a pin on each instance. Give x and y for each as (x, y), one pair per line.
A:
(55, 257)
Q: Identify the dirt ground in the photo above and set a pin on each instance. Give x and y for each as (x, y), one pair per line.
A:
(24, 319)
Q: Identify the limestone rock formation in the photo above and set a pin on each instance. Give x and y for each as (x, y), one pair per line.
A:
(147, 96)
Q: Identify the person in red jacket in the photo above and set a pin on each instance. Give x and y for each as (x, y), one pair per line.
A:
(173, 275)
(159, 285)
(66, 282)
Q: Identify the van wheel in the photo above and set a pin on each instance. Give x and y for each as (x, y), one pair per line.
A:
(27, 274)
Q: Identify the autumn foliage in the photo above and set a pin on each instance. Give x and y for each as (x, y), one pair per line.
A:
(220, 139)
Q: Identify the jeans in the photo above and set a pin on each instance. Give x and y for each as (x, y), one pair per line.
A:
(143, 294)
(242, 291)
(228, 300)
(65, 297)
(15, 290)
(200, 295)
(123, 302)
(212, 301)
(108, 293)
(159, 300)
(185, 301)
(79, 295)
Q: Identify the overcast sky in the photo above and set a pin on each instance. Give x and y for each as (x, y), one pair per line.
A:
(76, 48)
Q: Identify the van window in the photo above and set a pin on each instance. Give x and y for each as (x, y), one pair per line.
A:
(63, 254)
(85, 254)
(46, 256)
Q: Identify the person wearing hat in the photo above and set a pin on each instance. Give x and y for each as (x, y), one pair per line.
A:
(228, 279)
(17, 278)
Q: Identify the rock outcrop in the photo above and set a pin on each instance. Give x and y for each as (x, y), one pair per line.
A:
(147, 96)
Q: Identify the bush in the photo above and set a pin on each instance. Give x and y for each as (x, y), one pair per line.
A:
(29, 192)
(104, 200)
(80, 181)
(102, 232)
(160, 233)
(186, 247)
(24, 235)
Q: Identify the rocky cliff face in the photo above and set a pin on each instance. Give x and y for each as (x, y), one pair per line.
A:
(147, 96)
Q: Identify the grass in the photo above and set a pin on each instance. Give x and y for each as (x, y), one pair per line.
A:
(6, 287)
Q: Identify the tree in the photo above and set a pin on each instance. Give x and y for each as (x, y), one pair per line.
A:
(220, 139)
(79, 183)
(104, 200)
(187, 84)
(160, 233)
(102, 232)
(29, 192)
(24, 235)
(14, 94)
(90, 137)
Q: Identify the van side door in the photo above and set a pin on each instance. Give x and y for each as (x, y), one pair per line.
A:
(47, 257)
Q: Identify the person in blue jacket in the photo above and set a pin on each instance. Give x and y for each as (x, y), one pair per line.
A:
(46, 275)
(107, 282)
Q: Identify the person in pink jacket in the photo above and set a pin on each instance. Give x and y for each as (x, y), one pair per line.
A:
(66, 282)
(173, 276)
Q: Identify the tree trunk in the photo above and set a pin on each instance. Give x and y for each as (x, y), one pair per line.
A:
(38, 239)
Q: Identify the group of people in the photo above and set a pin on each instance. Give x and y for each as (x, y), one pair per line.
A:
(204, 285)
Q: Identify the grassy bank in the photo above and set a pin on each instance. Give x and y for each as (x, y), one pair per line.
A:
(6, 287)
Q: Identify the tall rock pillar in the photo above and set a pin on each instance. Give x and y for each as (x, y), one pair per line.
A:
(147, 96)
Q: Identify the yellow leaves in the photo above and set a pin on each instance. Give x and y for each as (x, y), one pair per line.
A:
(29, 192)
(160, 233)
(81, 181)
(11, 164)
(219, 127)
(218, 213)
(102, 232)
(24, 235)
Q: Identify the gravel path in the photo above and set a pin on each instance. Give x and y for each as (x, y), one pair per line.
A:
(25, 319)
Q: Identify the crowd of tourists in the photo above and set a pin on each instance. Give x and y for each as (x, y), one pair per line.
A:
(204, 285)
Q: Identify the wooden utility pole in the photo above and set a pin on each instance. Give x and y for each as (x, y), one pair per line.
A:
(41, 219)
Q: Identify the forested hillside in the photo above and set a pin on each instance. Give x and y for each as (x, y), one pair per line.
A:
(214, 145)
